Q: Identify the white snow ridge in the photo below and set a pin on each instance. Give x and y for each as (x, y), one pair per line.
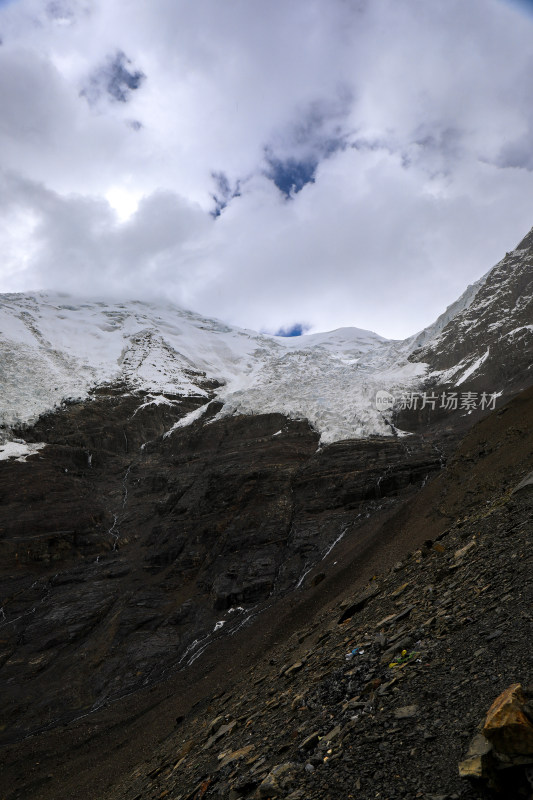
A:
(54, 347)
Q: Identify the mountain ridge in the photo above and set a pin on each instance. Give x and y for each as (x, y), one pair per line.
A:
(55, 348)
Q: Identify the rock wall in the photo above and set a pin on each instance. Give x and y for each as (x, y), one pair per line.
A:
(125, 553)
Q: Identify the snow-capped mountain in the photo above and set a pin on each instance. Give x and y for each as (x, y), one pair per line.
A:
(54, 347)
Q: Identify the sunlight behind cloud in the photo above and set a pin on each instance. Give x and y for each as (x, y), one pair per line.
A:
(123, 201)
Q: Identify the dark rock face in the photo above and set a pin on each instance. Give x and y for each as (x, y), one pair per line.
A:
(380, 694)
(496, 327)
(125, 553)
(482, 357)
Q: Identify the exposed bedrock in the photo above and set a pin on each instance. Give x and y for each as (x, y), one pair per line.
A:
(125, 553)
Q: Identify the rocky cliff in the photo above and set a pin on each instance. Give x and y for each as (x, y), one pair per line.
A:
(120, 564)
(373, 679)
(488, 345)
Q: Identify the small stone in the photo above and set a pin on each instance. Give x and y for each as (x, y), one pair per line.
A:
(298, 702)
(228, 758)
(296, 667)
(215, 723)
(399, 591)
(329, 737)
(464, 550)
(385, 621)
(222, 731)
(403, 614)
(406, 712)
(310, 742)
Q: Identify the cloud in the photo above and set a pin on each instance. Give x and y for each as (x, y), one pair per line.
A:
(334, 161)
(80, 244)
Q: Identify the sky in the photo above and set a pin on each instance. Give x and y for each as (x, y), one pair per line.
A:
(295, 166)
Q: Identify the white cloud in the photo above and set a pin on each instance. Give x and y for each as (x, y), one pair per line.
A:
(416, 118)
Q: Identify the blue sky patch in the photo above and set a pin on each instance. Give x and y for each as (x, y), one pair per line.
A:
(525, 5)
(291, 175)
(121, 80)
(224, 192)
(116, 78)
(298, 329)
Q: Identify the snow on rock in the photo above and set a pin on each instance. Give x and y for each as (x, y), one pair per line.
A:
(19, 450)
(488, 341)
(188, 419)
(54, 347)
(461, 305)
(473, 368)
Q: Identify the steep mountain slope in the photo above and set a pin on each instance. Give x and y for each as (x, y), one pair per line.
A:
(488, 345)
(380, 694)
(451, 585)
(121, 563)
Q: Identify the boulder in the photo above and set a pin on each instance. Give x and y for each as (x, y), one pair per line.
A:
(278, 781)
(477, 762)
(504, 744)
(507, 725)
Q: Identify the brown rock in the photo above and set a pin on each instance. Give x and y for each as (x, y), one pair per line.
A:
(228, 758)
(506, 724)
(222, 731)
(476, 763)
(464, 550)
(406, 712)
(296, 667)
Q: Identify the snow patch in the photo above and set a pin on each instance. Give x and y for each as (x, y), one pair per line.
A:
(188, 419)
(473, 368)
(522, 328)
(19, 450)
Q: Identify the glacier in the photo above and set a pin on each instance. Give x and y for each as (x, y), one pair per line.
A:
(55, 348)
